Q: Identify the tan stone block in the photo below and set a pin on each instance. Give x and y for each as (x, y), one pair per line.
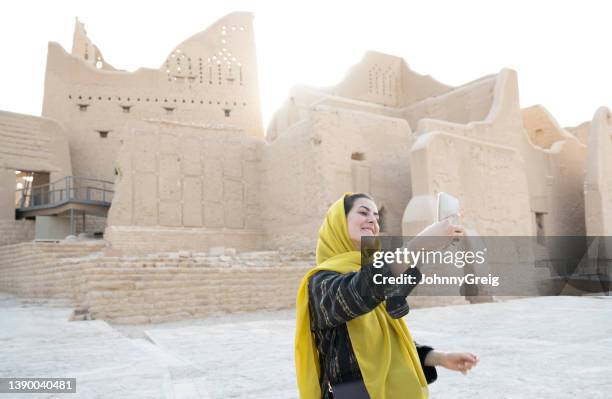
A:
(212, 149)
(192, 200)
(232, 160)
(232, 190)
(250, 151)
(213, 181)
(144, 149)
(213, 214)
(252, 193)
(169, 177)
(234, 214)
(145, 198)
(170, 213)
(168, 144)
(191, 157)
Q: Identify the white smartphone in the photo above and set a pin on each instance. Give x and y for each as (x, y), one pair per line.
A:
(448, 206)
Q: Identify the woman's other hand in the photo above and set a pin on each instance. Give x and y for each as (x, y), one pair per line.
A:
(459, 361)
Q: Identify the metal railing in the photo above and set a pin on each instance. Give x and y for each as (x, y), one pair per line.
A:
(69, 188)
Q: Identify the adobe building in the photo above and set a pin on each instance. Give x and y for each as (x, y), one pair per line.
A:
(513, 169)
(174, 160)
(209, 78)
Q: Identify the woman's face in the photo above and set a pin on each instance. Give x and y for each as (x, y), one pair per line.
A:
(362, 220)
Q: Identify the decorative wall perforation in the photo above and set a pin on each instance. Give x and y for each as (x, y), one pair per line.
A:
(127, 108)
(382, 81)
(224, 67)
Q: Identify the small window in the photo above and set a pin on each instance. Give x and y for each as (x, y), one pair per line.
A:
(83, 107)
(381, 218)
(539, 219)
(103, 133)
(227, 112)
(358, 156)
(169, 110)
(126, 108)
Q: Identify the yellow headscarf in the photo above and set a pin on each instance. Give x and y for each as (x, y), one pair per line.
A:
(385, 351)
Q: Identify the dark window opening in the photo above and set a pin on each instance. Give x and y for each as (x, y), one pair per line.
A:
(126, 108)
(83, 107)
(539, 218)
(358, 156)
(103, 133)
(381, 218)
(227, 112)
(169, 110)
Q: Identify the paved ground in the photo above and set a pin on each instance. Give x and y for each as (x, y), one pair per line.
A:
(549, 347)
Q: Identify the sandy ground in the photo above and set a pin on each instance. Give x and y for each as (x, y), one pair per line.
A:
(547, 347)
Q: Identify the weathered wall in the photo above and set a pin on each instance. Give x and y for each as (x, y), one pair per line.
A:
(598, 181)
(294, 189)
(36, 269)
(503, 119)
(541, 127)
(152, 288)
(184, 186)
(489, 180)
(556, 189)
(209, 78)
(533, 147)
(93, 224)
(462, 105)
(581, 131)
(331, 152)
(7, 194)
(16, 231)
(34, 144)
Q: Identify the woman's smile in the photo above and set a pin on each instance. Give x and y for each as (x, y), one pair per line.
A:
(369, 230)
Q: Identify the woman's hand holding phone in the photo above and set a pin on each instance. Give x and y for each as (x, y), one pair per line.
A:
(437, 236)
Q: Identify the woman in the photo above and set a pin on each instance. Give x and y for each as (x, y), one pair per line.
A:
(348, 335)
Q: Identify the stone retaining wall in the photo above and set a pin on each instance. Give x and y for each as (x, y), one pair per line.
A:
(15, 231)
(152, 288)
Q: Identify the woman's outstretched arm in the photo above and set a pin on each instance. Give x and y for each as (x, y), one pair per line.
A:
(336, 298)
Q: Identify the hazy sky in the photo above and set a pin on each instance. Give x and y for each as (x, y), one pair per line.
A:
(561, 50)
